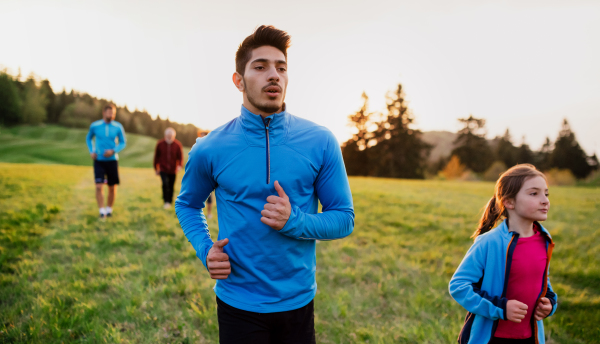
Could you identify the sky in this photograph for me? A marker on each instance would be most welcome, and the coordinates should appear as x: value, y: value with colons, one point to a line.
x: 522, y: 65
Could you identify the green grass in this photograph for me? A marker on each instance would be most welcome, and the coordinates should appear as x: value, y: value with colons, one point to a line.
x: 67, y: 277
x: 58, y: 145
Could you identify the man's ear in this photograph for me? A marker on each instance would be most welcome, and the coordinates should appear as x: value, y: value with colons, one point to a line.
x: 509, y: 203
x: 238, y: 81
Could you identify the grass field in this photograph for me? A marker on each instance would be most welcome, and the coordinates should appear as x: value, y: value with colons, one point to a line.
x: 66, y: 277
x: 59, y: 145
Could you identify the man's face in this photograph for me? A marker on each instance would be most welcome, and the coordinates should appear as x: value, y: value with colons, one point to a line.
x: 265, y: 81
x: 169, y: 136
x: 108, y: 115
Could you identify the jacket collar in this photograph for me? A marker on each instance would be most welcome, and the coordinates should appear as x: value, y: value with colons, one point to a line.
x: 254, y: 127
x: 504, y: 228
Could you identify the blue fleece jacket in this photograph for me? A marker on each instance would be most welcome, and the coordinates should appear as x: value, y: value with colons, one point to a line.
x: 480, y: 282
x: 105, y: 135
x: 271, y: 271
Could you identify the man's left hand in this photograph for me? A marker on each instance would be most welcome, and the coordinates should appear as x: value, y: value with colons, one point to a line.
x: 278, y: 210
x: 108, y: 153
x: 543, y: 309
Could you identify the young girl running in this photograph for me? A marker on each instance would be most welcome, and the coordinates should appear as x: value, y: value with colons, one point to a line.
x: 503, y: 279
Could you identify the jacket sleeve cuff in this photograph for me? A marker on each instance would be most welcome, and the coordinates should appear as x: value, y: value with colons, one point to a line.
x: 503, y: 307
x: 291, y: 226
x: 202, y: 253
x: 554, y: 305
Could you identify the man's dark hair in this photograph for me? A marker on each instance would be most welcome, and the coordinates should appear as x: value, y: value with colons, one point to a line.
x: 109, y: 106
x: 263, y: 35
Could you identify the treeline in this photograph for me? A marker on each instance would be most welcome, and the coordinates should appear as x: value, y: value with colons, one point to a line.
x: 34, y: 102
x: 385, y: 145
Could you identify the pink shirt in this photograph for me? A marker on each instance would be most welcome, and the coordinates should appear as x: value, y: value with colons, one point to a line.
x: 525, y: 283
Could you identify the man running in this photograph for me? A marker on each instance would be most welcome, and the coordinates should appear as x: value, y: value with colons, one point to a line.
x: 104, y: 153
x: 269, y: 170
x: 168, y: 159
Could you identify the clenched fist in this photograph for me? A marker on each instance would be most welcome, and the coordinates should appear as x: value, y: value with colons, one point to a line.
x: 515, y: 310
x: 278, y: 209
x: 543, y: 309
x: 217, y: 261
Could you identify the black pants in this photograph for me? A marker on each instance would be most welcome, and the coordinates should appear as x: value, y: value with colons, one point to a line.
x: 237, y: 326
x: 168, y: 183
x: 497, y: 340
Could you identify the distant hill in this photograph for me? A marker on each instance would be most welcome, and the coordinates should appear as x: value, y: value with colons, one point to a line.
x: 442, y: 142
x: 58, y: 145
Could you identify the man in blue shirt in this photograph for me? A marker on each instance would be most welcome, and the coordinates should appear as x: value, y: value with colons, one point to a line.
x: 104, y: 153
x: 269, y: 170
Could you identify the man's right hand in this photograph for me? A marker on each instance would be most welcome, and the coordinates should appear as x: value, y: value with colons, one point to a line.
x: 94, y: 156
x: 157, y: 172
x: 217, y: 261
x: 515, y: 311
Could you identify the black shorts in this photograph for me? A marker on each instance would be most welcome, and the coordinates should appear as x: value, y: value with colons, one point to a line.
x: 292, y: 327
x: 209, y: 199
x: 106, y: 172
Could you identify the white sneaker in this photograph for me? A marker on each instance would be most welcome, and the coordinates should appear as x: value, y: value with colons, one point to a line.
x: 167, y: 206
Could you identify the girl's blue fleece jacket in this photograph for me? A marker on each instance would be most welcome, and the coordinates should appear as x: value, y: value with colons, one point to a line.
x: 479, y: 284
x: 271, y: 271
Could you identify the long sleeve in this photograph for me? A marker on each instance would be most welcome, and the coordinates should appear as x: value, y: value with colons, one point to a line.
x: 463, y: 286
x: 88, y: 140
x: 332, y: 187
x: 122, y: 141
x: 551, y: 295
x: 196, y: 185
x: 180, y: 156
x: 156, y: 157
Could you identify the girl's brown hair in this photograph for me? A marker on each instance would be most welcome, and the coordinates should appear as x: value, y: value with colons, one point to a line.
x: 507, y: 187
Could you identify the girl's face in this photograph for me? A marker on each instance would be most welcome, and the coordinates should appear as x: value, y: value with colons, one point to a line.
x: 532, y: 201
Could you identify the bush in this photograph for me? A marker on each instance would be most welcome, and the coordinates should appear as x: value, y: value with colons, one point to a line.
x: 560, y: 177
x: 493, y: 173
x: 454, y: 169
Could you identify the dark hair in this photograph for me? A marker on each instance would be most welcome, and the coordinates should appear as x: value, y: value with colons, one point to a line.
x: 109, y: 106
x: 507, y: 187
x: 263, y: 35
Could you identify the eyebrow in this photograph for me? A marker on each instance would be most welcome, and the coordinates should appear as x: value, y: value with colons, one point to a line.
x: 534, y: 188
x: 265, y: 60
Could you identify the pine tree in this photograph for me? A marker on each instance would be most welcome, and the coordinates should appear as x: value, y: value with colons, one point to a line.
x: 568, y: 154
x: 355, y: 150
x: 400, y: 151
x: 472, y: 148
x: 506, y: 151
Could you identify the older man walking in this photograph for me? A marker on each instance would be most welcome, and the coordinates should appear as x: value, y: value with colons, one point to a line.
x: 168, y: 159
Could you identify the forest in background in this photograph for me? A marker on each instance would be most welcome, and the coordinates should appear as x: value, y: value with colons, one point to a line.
x: 385, y: 144
x: 32, y: 101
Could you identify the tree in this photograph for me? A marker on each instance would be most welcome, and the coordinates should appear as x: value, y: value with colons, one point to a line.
x: 472, y: 148
x: 525, y: 154
x: 506, y: 151
x: 10, y: 103
x: 400, y: 150
x: 48, y: 94
x: 34, y: 103
x: 542, y: 158
x: 568, y: 154
x: 355, y: 150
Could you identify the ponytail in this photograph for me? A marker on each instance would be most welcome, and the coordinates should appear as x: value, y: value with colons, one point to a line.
x: 490, y: 217
x: 507, y: 187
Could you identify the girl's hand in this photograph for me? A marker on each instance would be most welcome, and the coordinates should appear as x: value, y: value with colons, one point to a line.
x: 516, y: 310
x: 543, y: 309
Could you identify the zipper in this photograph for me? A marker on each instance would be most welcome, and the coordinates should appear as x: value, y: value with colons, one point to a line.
x: 513, y: 242
x: 106, y: 129
x: 544, y: 285
x: 267, y: 121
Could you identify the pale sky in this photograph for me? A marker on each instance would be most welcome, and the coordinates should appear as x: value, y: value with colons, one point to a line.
x: 520, y: 64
